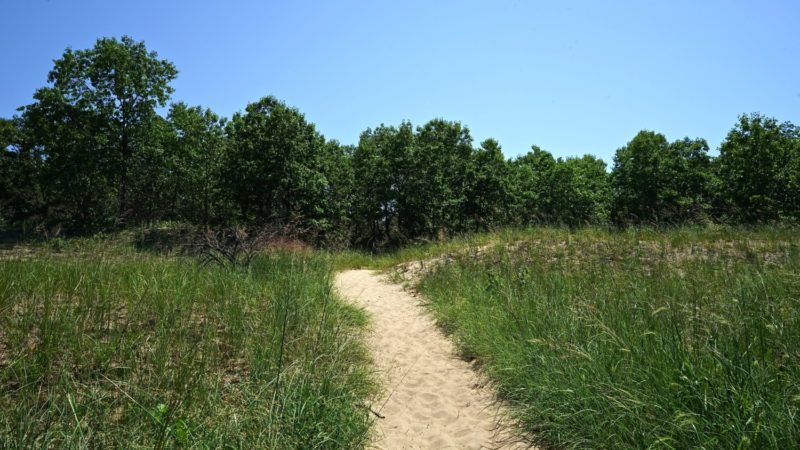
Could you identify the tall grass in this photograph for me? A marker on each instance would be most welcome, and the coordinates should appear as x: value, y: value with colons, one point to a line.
x: 145, y: 351
x: 688, y: 339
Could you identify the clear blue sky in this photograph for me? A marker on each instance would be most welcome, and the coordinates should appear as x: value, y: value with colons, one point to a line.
x: 573, y: 77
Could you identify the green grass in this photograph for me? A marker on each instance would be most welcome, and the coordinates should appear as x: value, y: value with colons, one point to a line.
x: 357, y: 259
x: 102, y: 346
x: 598, y: 339
x: 636, y: 339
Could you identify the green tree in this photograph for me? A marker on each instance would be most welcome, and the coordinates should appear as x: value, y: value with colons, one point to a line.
x: 339, y: 192
x: 20, y: 168
x: 693, y: 179
x: 581, y: 191
x: 488, y: 187
x: 196, y: 147
x: 546, y: 190
x: 279, y: 169
x: 655, y: 182
x: 791, y: 173
x: 438, y: 180
x: 94, y: 121
x: 532, y: 187
x: 77, y: 177
x: 382, y: 164
x: 149, y: 172
x: 757, y: 170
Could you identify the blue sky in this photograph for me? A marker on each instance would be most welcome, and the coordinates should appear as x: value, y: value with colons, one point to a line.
x: 573, y: 77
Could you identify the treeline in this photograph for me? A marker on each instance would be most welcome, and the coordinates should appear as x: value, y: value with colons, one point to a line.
x: 92, y: 152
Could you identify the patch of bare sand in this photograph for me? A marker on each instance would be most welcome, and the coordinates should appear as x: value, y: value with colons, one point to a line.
x: 432, y: 399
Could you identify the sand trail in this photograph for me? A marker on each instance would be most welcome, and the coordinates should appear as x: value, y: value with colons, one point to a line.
x: 431, y: 399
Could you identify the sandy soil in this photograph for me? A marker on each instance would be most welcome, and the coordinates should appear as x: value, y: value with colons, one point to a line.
x: 431, y: 399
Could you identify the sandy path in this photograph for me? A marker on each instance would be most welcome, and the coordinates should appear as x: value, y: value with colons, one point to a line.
x: 432, y: 399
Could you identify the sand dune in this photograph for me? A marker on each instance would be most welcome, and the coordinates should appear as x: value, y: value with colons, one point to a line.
x: 431, y: 398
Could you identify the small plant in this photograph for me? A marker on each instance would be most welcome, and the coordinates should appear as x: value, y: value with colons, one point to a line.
x: 179, y: 430
x: 57, y: 244
x: 235, y: 246
x: 159, y: 413
x: 182, y: 432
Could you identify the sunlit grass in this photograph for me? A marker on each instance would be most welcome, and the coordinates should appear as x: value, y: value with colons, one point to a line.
x: 598, y: 339
x: 686, y: 236
x: 123, y: 349
x: 360, y: 259
x: 636, y: 339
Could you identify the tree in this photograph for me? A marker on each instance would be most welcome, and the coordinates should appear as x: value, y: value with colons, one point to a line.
x: 382, y: 189
x: 105, y: 98
x: 20, y: 167
x: 339, y: 193
x: 655, y: 182
x: 791, y: 173
x: 196, y: 147
x: 77, y: 174
x: 279, y: 169
x: 438, y: 181
x: 532, y: 187
x: 582, y: 192
x: 546, y: 190
x: 692, y: 176
x: 488, y: 187
x: 757, y: 168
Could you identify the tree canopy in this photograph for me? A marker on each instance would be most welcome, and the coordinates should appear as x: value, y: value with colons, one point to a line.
x: 95, y: 123
x: 757, y: 169
x: 656, y: 182
x: 101, y: 147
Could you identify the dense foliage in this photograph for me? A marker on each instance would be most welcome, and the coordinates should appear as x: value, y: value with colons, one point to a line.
x: 92, y: 152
